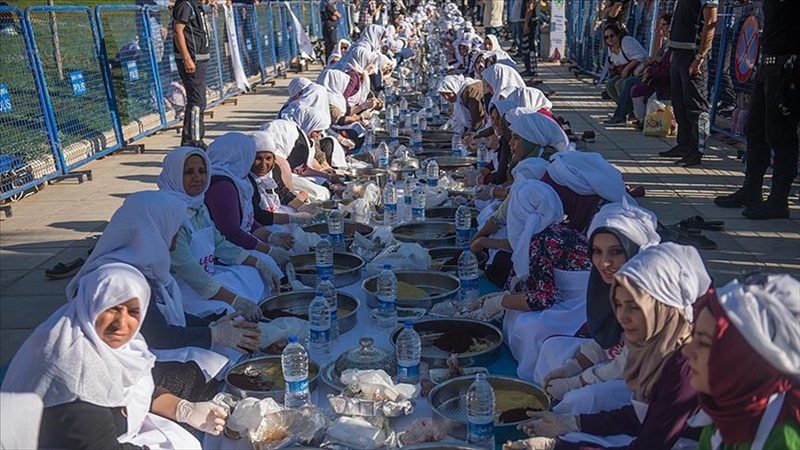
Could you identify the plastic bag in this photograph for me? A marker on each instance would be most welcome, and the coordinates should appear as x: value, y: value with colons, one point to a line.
x: 280, y: 329
x: 402, y: 256
x: 356, y: 433
x: 435, y: 197
x: 659, y: 121
x: 304, y: 241
x: 279, y: 429
x: 423, y: 430
x: 248, y: 413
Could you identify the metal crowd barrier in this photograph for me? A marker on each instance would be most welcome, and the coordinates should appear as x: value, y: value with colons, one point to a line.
x: 159, y: 33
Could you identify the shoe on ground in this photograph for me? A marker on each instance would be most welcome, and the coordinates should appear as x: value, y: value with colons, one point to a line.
x: 605, y: 95
x: 770, y: 209
x: 615, y: 121
x: 639, y: 125
x: 739, y: 199
x: 690, y: 159
x: 676, y: 151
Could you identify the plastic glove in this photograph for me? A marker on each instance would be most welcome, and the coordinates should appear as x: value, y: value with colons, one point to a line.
x: 548, y: 424
x: 239, y: 335
x: 204, y: 416
x: 484, y: 192
x: 558, y: 387
x: 347, y: 143
x: 309, y: 208
x: 570, y: 368
x: 536, y: 443
x: 282, y: 240
x: 301, y: 218
x: 249, y: 310
x: 491, y: 304
x: 471, y: 177
x: 268, y: 275
x: 280, y: 255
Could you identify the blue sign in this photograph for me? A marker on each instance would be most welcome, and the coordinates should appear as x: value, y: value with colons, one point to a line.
x: 266, y: 41
x: 133, y: 71
x: 78, y: 85
x: 249, y: 45
x: 172, y: 66
x: 5, y: 100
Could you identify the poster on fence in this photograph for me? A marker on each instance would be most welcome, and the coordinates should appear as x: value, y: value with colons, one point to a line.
x: 558, y: 30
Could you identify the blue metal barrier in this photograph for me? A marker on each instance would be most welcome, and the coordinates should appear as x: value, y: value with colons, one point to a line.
x: 214, y: 81
x: 27, y: 156
x: 316, y: 19
x: 343, y: 25
x: 282, y: 40
x: 74, y: 85
x: 159, y: 32
x: 267, y: 41
x: 129, y: 66
x: 247, y: 34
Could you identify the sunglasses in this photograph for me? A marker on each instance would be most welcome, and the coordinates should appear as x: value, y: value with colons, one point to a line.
x: 609, y: 36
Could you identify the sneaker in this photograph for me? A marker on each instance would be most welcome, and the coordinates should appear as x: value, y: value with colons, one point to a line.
x: 674, y: 151
x: 770, y: 209
x: 690, y: 159
x: 738, y: 199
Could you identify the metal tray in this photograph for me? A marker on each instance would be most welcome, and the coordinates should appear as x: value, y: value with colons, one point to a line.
x: 436, y: 357
x: 439, y: 286
x: 441, y: 446
x: 437, y: 136
x: 428, y: 234
x: 454, y: 252
x: 448, y: 213
x: 347, y: 268
x: 434, y: 151
x: 350, y: 228
x: 454, y: 162
x: 296, y: 302
x: 454, y: 416
x: 262, y: 363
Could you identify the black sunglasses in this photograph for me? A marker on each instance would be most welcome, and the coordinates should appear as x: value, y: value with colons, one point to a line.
x: 609, y: 36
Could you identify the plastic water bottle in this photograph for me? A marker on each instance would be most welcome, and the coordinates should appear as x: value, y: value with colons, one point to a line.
x: 483, y: 155
x: 432, y: 173
x: 390, y: 203
x: 369, y: 141
x: 387, y: 297
x: 403, y: 107
x: 408, y: 188
x: 463, y: 224
x: 409, y: 347
x: 383, y: 155
x: 396, y: 111
x: 480, y: 413
x: 319, y: 321
x: 435, y: 111
x: 418, y: 199
x: 294, y: 362
x: 423, y: 125
x: 703, y: 131
x: 393, y: 141
x: 416, y: 138
x: 329, y: 294
x: 374, y: 122
x: 468, y: 276
x: 323, y: 254
x: 336, y: 229
x: 457, y: 145
x: 390, y: 115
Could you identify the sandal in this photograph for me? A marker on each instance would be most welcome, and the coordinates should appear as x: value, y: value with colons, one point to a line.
x: 699, y: 223
x: 673, y: 233
x: 62, y: 270
x: 635, y: 192
x: 588, y: 136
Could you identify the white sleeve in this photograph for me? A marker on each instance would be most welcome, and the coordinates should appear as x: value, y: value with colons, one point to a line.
x: 633, y: 49
x: 593, y: 352
x: 611, y: 370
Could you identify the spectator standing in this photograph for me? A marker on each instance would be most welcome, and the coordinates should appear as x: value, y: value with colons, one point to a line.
x: 691, y: 36
x: 530, y: 42
x: 493, y: 16
x: 773, y: 117
x: 330, y: 22
x: 366, y: 13
x: 191, y: 45
x: 516, y: 20
x: 617, y: 11
x: 624, y: 54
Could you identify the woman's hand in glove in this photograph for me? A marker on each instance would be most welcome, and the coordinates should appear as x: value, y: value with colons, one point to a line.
x: 549, y: 424
x: 492, y: 304
x: 558, y: 387
x: 569, y: 369
x: 309, y: 208
x: 280, y: 255
x: 282, y: 240
x: 250, y: 311
x: 536, y: 443
x: 207, y: 417
x: 239, y: 335
x: 268, y: 275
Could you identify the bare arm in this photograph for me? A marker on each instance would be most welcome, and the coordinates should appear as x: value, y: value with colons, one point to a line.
x: 706, y: 38
x: 165, y: 405
x: 180, y: 40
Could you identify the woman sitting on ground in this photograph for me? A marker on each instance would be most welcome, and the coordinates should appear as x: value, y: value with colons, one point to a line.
x: 466, y: 95
x: 655, y: 77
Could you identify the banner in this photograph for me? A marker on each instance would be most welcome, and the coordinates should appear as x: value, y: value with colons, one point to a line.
x: 558, y: 29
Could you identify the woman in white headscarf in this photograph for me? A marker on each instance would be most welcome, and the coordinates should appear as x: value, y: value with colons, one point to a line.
x: 372, y: 36
x: 652, y: 296
x: 207, y: 287
x: 342, y: 114
x: 358, y: 64
x: 466, y: 95
x: 92, y: 369
x: 491, y: 44
x: 500, y: 80
x: 530, y: 98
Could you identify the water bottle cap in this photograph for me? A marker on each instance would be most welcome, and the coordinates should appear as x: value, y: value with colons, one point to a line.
x: 323, y: 236
x: 387, y: 266
x: 292, y: 339
x: 334, y: 207
x: 325, y: 277
x: 318, y: 294
x: 463, y: 203
x: 466, y: 249
x: 408, y: 324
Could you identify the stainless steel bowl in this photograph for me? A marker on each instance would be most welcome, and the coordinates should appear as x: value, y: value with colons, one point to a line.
x: 437, y: 136
x: 442, y: 446
x: 347, y: 268
x: 449, y: 407
x: 272, y: 363
x: 296, y: 302
x: 439, y: 287
x: 432, y: 152
x: 449, y: 213
x: 350, y: 229
x: 427, y: 234
x: 452, y: 254
x: 327, y: 205
x: 428, y: 329
x: 455, y: 162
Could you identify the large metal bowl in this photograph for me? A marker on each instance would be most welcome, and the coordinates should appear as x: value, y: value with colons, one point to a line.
x: 452, y: 254
x: 350, y: 229
x: 427, y: 234
x: 296, y: 302
x: 347, y: 268
x: 263, y: 363
x: 436, y: 357
x: 433, y: 152
x: 448, y: 213
x: 439, y: 286
x: 437, y: 136
x: 441, y: 446
x: 454, y: 162
x: 447, y: 401
x: 326, y: 206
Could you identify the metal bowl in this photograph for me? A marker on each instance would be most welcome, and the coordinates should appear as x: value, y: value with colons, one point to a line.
x: 428, y: 329
x: 442, y: 446
x: 453, y: 253
x: 350, y: 229
x: 454, y: 162
x: 447, y: 401
x: 347, y: 268
x: 427, y: 234
x: 449, y: 213
x: 296, y: 302
x: 366, y: 357
x: 433, y: 152
x: 271, y: 363
x: 326, y: 206
x: 439, y: 286
x: 437, y: 136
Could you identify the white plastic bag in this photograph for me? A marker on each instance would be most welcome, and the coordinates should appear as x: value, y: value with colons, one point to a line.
x: 435, y: 197
x: 304, y: 241
x: 402, y: 256
x: 280, y: 329
x: 654, y: 104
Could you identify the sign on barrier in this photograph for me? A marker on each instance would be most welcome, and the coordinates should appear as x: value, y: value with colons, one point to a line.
x: 746, y: 49
x: 265, y: 33
x: 249, y: 43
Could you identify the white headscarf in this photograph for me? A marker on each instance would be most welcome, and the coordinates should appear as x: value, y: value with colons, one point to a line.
x: 455, y: 83
x: 232, y: 155
x: 358, y: 59
x: 297, y: 85
x: 533, y: 206
x: 170, y: 180
x: 336, y: 82
x: 372, y: 35
x: 140, y: 234
x: 768, y: 317
x: 588, y: 173
x: 636, y: 223
x: 672, y: 274
x: 310, y: 111
x: 282, y: 135
x: 267, y: 200
x: 65, y: 360
x: 529, y: 169
x: 502, y: 79
x: 538, y: 129
x: 531, y: 98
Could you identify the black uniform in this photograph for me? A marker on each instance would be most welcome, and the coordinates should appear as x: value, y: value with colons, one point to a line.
x: 773, y: 115
x: 329, y: 26
x: 190, y: 13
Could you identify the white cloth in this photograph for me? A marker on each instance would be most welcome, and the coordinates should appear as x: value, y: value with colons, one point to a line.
x: 283, y: 133
x: 311, y: 110
x: 533, y: 207
x: 531, y: 98
x: 372, y: 35
x: 232, y: 155
x: 500, y: 77
x: 636, y: 223
x: 768, y: 317
x: 529, y: 169
x: 316, y: 193
x: 335, y: 81
x: 673, y: 274
x: 170, y: 179
x: 233, y: 43
x: 304, y: 44
x: 630, y: 49
x: 20, y: 416
x: 594, y: 398
x: 588, y: 173
x: 297, y: 85
x: 539, y: 129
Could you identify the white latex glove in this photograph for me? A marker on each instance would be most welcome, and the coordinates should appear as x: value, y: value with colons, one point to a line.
x: 484, y: 192
x: 207, y: 417
x: 347, y: 143
x: 282, y: 240
x: 570, y: 368
x: 239, y: 335
x: 536, y: 443
x: 309, y: 208
x: 250, y: 311
x: 492, y: 304
x: 280, y: 255
x: 268, y: 275
x: 558, y: 387
x: 301, y: 218
x: 548, y: 424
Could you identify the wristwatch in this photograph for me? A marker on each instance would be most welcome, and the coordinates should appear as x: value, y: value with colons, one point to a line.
x: 699, y: 56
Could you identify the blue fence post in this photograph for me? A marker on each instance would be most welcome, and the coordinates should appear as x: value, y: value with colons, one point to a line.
x: 267, y: 38
x: 151, y: 39
x: 165, y: 65
x: 112, y: 100
x: 259, y: 48
x: 726, y: 17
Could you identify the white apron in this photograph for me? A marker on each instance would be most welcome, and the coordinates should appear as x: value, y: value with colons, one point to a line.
x: 554, y: 352
x: 525, y: 331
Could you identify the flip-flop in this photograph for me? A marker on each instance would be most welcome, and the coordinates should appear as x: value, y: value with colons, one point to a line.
x: 588, y: 136
x: 635, y: 191
x: 64, y: 270
x: 673, y: 233
x: 699, y: 223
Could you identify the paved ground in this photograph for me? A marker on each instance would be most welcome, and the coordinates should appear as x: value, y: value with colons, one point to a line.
x: 61, y: 223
